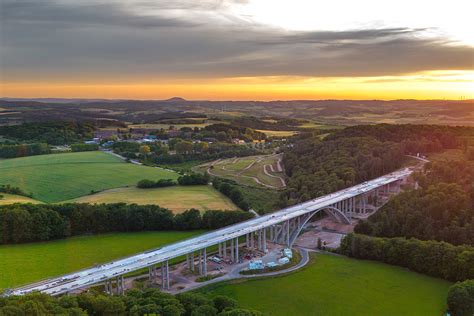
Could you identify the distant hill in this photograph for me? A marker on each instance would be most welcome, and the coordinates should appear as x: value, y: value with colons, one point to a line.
x: 176, y: 99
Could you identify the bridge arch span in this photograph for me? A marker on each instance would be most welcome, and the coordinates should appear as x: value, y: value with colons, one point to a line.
x: 343, y: 217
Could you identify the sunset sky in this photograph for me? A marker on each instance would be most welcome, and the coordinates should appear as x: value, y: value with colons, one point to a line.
x: 237, y: 49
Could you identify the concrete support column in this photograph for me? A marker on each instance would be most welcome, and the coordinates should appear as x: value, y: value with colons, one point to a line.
x: 252, y: 240
x: 265, y: 240
x: 162, y: 270
x: 220, y: 250
x: 106, y: 286
x: 167, y: 275
x: 247, y: 240
x: 259, y: 232
x: 204, y: 263
x: 271, y: 232
x: 237, y: 249
x: 366, y: 198
x: 232, y: 250
x: 288, y: 233
x: 192, y: 261
x: 200, y: 262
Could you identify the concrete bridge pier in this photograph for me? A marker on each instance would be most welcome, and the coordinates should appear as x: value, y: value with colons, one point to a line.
x: 108, y: 287
x: 204, y: 262
x: 165, y: 275
x: 120, y: 285
x: 237, y: 249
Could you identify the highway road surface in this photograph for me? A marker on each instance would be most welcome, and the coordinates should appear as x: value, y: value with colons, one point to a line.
x: 111, y: 270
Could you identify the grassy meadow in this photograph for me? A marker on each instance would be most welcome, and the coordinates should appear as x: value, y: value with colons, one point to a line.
x: 12, y: 198
x: 333, y: 285
x: 59, y: 177
x: 176, y: 198
x: 26, y: 263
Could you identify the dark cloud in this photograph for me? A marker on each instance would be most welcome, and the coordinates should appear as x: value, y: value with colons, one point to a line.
x: 182, y: 39
x: 57, y: 14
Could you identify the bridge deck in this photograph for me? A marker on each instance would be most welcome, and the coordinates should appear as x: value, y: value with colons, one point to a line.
x: 146, y: 259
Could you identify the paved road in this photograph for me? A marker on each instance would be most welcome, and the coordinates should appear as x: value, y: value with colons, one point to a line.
x: 146, y: 259
x: 235, y: 273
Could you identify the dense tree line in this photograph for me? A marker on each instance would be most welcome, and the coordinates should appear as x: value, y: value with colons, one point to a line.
x: 28, y: 222
x: 6, y: 188
x: 53, y: 133
x: 185, y: 150
x: 441, y: 209
x: 226, y: 132
x: 84, y: 147
x: 133, y: 303
x: 355, y: 154
x: 414, y: 138
x: 461, y: 298
x: 434, y: 258
x: 23, y: 150
x: 316, y: 167
x: 148, y: 184
x: 194, y: 179
x: 232, y: 191
x: 215, y: 151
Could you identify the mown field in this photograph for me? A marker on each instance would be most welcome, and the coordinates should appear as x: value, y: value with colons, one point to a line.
x: 248, y: 170
x: 270, y: 133
x: 59, y: 177
x: 177, y: 198
x: 11, y: 198
x: 334, y: 285
x: 26, y: 263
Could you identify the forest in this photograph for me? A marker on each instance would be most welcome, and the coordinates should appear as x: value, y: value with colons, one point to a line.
x: 355, y: 154
x: 441, y: 209
x: 134, y: 303
x: 40, y: 222
x: 23, y: 150
x: 53, y: 133
x: 316, y: 167
x: 434, y: 258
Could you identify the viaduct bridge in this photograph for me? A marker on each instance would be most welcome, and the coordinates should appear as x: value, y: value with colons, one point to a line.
x: 282, y: 227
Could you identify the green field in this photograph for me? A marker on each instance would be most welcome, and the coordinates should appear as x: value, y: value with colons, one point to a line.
x: 177, y: 198
x: 59, y: 177
x: 11, y: 198
x: 333, y: 285
x: 25, y: 263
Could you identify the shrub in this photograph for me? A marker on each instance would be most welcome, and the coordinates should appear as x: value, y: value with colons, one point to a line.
x: 147, y: 184
x: 194, y: 179
x: 461, y: 298
x: 84, y: 147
